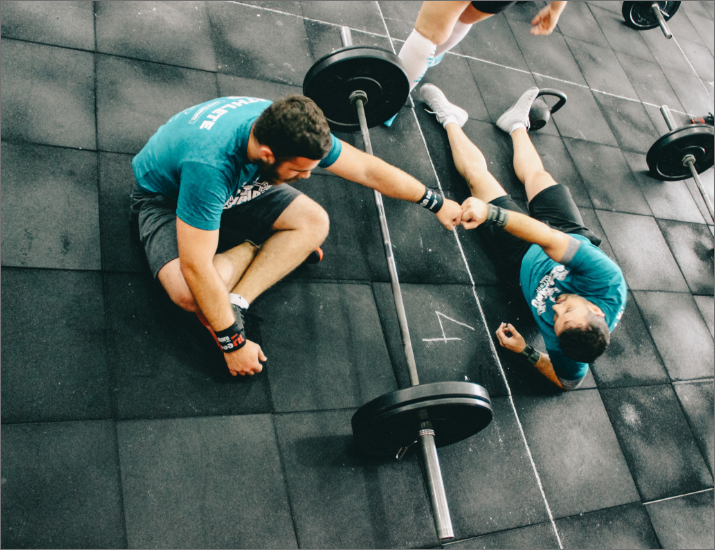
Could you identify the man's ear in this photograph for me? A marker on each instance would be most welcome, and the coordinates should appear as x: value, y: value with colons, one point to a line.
x: 265, y: 154
x: 597, y: 310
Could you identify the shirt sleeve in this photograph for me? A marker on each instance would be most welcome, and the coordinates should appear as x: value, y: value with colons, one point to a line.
x: 565, y: 367
x: 591, y: 263
x: 334, y: 153
x: 202, y: 194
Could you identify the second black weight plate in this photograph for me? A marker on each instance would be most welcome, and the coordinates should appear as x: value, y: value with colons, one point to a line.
x: 665, y: 157
x: 376, y: 71
x: 456, y: 410
x: 639, y: 15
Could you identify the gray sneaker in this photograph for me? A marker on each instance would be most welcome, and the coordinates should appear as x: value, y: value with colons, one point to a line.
x: 446, y: 112
x: 518, y: 114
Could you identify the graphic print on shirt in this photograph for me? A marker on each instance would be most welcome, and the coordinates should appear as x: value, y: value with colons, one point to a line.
x: 547, y: 288
x: 247, y: 192
x: 214, y: 115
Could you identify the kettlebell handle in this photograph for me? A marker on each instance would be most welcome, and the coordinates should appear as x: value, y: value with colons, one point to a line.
x: 555, y: 93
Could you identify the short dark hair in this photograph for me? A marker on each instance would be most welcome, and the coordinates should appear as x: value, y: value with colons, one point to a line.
x: 294, y: 127
x: 585, y: 344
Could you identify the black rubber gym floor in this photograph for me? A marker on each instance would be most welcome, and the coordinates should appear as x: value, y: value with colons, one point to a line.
x: 121, y: 426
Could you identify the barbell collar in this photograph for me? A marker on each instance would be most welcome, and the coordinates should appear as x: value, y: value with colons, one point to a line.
x: 661, y: 20
x: 346, y: 36
x: 358, y: 94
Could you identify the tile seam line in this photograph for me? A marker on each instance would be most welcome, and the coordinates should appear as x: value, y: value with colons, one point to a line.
x: 492, y: 347
x: 453, y: 53
x: 677, y: 496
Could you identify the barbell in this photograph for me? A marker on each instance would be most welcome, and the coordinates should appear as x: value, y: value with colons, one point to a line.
x: 359, y: 87
x: 683, y: 152
x: 649, y: 15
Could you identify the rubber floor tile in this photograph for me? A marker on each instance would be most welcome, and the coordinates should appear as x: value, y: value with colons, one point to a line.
x: 625, y: 526
x: 702, y: 10
x: 607, y: 177
x: 685, y: 522
x: 503, y: 304
x: 631, y: 359
x: 48, y: 95
x: 50, y: 215
x: 64, y: 376
x: 481, y: 498
x: 399, y: 18
x: 365, y: 17
x: 708, y: 182
x: 666, y: 52
x: 68, y: 24
x: 501, y: 87
x: 576, y: 452
x: 695, y: 95
x: 679, y: 333
x: 165, y: 363
x: 697, y: 402
x: 44, y: 504
x: 578, y: 22
x: 601, y: 69
x: 649, y: 81
x: 285, y: 7
x: 620, y: 37
x: 236, y: 86
x: 353, y: 249
x: 682, y: 27
x: 260, y: 44
x: 492, y: 40
x: 454, y: 78
x: 324, y: 38
x: 121, y: 248
x: 534, y: 536
x: 646, y: 260
x: 181, y: 487
x: 590, y: 220
x: 667, y: 199
x: 135, y: 98
x: 163, y: 32
x: 324, y: 345
x: 341, y: 498
x: 547, y: 55
x: 655, y: 438
x: 629, y: 122
x: 700, y: 58
x: 692, y: 246
x: 704, y: 28
x: 581, y: 117
x: 705, y: 305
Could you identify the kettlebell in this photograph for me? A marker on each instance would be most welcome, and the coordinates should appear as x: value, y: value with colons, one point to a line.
x: 540, y: 113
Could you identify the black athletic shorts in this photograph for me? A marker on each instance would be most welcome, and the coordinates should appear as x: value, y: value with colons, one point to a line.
x: 249, y: 221
x: 492, y: 7
x: 555, y: 207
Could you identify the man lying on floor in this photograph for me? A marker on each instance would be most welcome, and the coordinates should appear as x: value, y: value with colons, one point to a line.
x: 575, y: 292
x: 214, y: 178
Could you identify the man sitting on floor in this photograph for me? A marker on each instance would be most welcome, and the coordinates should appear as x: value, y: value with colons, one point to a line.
x: 225, y: 164
x: 575, y: 292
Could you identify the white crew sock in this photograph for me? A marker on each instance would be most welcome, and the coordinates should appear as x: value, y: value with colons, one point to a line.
x: 237, y: 299
x: 516, y: 126
x: 459, y: 31
x: 414, y: 54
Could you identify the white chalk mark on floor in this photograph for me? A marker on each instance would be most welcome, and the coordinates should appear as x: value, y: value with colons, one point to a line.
x: 441, y: 326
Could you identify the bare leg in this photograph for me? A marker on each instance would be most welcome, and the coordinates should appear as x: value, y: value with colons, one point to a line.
x: 528, y: 166
x: 472, y: 165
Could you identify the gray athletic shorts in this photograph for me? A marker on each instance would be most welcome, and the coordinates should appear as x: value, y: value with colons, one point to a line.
x: 249, y: 221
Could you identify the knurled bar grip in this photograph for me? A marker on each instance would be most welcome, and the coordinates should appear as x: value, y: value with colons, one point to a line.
x: 689, y: 162
x: 438, y: 496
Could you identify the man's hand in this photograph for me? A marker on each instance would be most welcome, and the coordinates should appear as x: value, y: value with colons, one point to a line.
x: 545, y: 21
x: 246, y: 360
x: 510, y: 339
x: 474, y: 212
x: 450, y: 214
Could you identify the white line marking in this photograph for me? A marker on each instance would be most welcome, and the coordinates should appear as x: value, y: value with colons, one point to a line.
x: 677, y: 496
x: 444, y: 336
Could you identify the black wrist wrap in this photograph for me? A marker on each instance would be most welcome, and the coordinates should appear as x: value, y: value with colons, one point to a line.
x: 432, y: 200
x: 532, y: 355
x: 232, y: 339
x: 496, y: 215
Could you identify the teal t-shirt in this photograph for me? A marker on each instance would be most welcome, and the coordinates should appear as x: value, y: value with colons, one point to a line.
x: 199, y: 159
x: 590, y: 274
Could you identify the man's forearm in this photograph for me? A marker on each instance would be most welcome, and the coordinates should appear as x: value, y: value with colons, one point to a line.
x: 209, y: 292
x: 555, y: 243
x: 391, y: 181
x: 557, y: 7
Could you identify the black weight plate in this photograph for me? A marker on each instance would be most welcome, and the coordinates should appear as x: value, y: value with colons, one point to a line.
x: 665, y: 157
x: 639, y: 15
x: 376, y: 71
x: 456, y: 410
